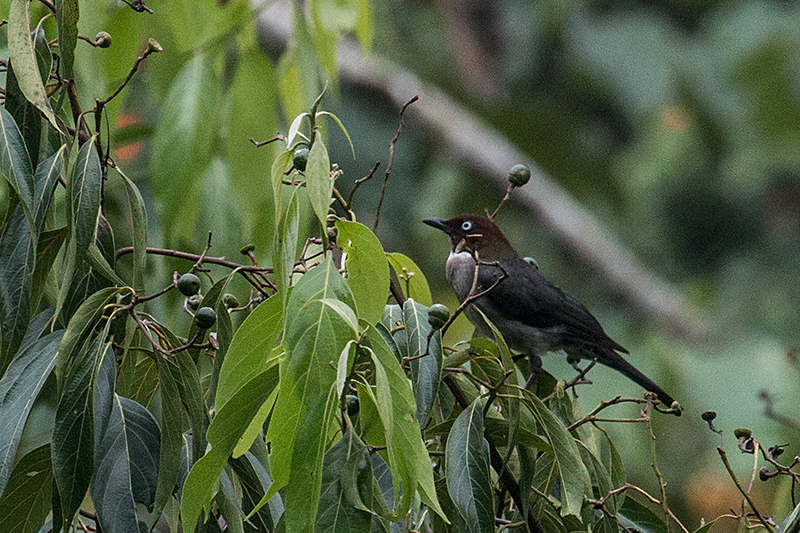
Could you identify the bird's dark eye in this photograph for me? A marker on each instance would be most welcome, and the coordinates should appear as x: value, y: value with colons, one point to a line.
x: 466, y: 225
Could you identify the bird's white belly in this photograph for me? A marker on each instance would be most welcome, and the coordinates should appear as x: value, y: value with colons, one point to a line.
x: 460, y: 272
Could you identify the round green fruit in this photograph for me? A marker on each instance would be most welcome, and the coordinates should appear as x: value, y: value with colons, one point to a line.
x: 519, y: 175
x: 438, y: 315
x: 230, y: 301
x: 300, y: 158
x: 205, y: 317
x: 189, y: 284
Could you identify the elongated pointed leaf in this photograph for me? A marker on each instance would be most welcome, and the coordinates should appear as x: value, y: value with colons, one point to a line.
x: 469, y: 481
x: 223, y: 434
x: 336, y: 513
x: 314, y: 337
x: 28, y: 500
x: 569, y: 467
x: 67, y: 14
x: 15, y: 162
x: 367, y: 269
x: 17, y: 264
x: 18, y: 390
x: 426, y: 370
x: 251, y: 349
x: 285, y: 245
x: 405, y: 449
x: 45, y: 182
x: 318, y: 179
x: 139, y: 222
x: 23, y: 57
x: 73, y: 433
x: 126, y: 453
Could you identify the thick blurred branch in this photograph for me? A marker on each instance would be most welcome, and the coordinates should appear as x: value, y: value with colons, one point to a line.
x: 488, y: 151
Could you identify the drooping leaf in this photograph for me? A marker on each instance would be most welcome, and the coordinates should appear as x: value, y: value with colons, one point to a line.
x: 17, y: 264
x: 568, y: 466
x: 254, y: 480
x: 223, y: 434
x: 126, y: 454
x: 67, y: 15
x: 367, y: 269
x: 19, y: 387
x: 314, y: 337
x: 27, y: 502
x: 15, y: 162
x: 405, y: 449
x: 336, y: 514
x: 285, y: 245
x: 23, y: 56
x: 73, y: 433
x: 469, y: 481
x: 319, y: 183
x: 414, y: 286
x: 45, y: 181
x: 139, y: 222
x: 637, y: 516
x: 426, y: 359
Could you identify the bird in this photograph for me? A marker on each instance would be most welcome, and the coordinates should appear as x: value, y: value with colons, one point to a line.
x: 533, y: 315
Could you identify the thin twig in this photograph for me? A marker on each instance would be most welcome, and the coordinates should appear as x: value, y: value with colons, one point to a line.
x: 391, y: 160
x: 359, y: 182
x: 724, y: 456
x: 279, y: 137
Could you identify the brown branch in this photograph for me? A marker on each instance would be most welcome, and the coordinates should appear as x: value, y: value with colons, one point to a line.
x: 221, y: 261
x: 391, y: 160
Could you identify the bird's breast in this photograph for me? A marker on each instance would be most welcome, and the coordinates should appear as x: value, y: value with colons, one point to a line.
x: 460, y: 272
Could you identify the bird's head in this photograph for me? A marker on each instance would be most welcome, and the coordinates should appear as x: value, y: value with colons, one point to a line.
x: 469, y: 233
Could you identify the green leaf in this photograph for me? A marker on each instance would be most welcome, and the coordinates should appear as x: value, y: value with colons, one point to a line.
x: 316, y: 334
x: 139, y: 222
x: 415, y: 286
x: 45, y: 182
x: 126, y: 454
x: 15, y: 162
x: 281, y: 164
x: 18, y: 390
x: 406, y: 451
x: 426, y: 370
x: 635, y: 515
x: 575, y: 481
x: 603, y: 483
x: 67, y: 15
x: 23, y: 57
x: 25, y: 114
x: 285, y: 246
x: 47, y: 249
x: 469, y: 481
x: 223, y: 434
x: 17, y: 263
x: 319, y: 183
x: 73, y: 433
x: 95, y: 258
x: 365, y: 27
x: 171, y: 424
x: 82, y: 324
x: 341, y: 127
x: 367, y: 269
x: 336, y: 514
x: 790, y: 522
x: 183, y: 144
x: 27, y: 502
x: 254, y: 480
x: 617, y: 472
x: 251, y: 349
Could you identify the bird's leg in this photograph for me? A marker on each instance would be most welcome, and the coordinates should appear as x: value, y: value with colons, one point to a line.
x: 534, y: 367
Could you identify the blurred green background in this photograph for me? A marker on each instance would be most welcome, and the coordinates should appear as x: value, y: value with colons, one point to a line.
x: 675, y: 125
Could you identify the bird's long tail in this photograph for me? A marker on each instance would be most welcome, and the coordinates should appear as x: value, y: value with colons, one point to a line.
x: 614, y: 360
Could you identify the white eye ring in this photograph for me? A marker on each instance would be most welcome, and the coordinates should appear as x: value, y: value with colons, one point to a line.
x: 466, y: 225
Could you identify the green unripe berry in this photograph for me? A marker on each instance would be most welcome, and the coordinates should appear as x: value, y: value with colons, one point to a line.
x: 352, y: 405
x: 103, y: 39
x: 300, y: 158
x: 189, y: 284
x: 742, y: 433
x: 438, y: 315
x: 519, y: 175
x: 230, y: 301
x: 194, y: 301
x: 205, y: 317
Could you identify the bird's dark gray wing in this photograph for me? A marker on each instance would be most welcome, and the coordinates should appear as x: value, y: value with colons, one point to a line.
x: 532, y: 299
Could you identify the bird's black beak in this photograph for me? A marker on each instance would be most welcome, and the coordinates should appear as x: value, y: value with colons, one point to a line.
x: 437, y: 223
